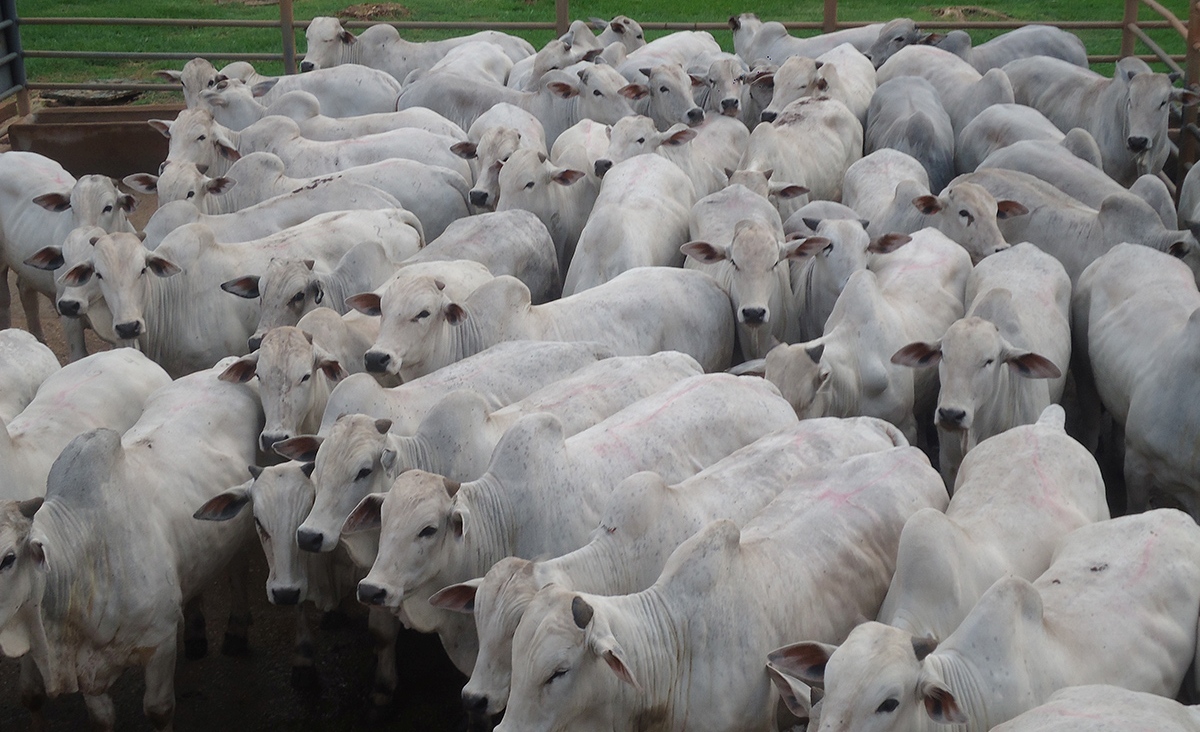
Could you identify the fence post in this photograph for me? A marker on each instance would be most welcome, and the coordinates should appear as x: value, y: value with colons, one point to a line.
x: 1127, y: 38
x: 562, y: 16
x: 829, y: 19
x: 287, y: 26
x: 1187, y: 139
x: 14, y: 70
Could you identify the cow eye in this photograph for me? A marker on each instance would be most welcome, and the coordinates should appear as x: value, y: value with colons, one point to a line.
x: 258, y: 525
x: 190, y: 194
x: 989, y: 362
x: 305, y: 378
x: 298, y: 298
x: 201, y: 138
x: 108, y: 208
x: 363, y: 474
x: 8, y: 561
x: 99, y: 276
x: 641, y: 141
x: 422, y: 314
x: 596, y: 93
x: 965, y: 214
x: 888, y: 705
x: 529, y: 185
x: 427, y: 532
x: 557, y: 674
x: 143, y: 271
x: 663, y: 89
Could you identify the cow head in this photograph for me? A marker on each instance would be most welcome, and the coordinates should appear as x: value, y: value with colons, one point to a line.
x: 967, y: 213
x: 22, y: 563
x: 325, y: 41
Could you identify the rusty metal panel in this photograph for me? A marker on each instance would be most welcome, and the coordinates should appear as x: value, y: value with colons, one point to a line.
x: 115, y: 149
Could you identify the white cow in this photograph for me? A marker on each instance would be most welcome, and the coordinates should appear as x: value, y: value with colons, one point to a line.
x: 476, y: 59
x: 691, y: 646
x: 1006, y: 361
x: 435, y: 532
x: 24, y: 364
x: 722, y: 87
x: 841, y: 73
x: 40, y: 203
x: 495, y: 136
x: 811, y: 143
x: 438, y: 196
x: 753, y: 39
x: 643, y: 521
x: 640, y: 219
x: 964, y: 91
x: 512, y: 243
x: 169, y: 300
x: 999, y: 126
x: 197, y: 138
x: 665, y: 96
x: 1017, y: 497
x: 1030, y: 40
x: 1127, y: 114
x: 381, y: 47
x: 1135, y: 366
x: 346, y: 92
x: 871, y: 183
x: 713, y: 147
x: 561, y: 196
x: 1132, y: 581
x: 1100, y: 706
x: 116, y: 532
x: 906, y: 114
x: 687, y: 48
x: 106, y: 389
x: 234, y: 105
x: 643, y: 311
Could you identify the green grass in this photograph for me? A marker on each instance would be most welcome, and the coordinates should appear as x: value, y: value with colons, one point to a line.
x: 236, y: 40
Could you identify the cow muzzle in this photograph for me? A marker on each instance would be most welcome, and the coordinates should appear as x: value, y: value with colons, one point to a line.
x: 371, y: 594
x: 695, y: 116
x: 376, y: 362
x: 267, y: 440
x: 1137, y: 144
x: 767, y: 116
x: 69, y: 308
x: 730, y: 107
x: 309, y: 540
x: 285, y: 596
x: 307, y: 66
x: 753, y: 316
x: 478, y: 198
x: 952, y: 418
x: 128, y: 331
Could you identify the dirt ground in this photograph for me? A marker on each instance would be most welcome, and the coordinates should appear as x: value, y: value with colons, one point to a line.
x: 254, y: 692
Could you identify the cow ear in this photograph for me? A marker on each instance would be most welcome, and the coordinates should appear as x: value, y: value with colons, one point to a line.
x: 318, y: 293
x: 809, y: 246
x: 127, y: 202
x: 142, y: 182
x: 332, y: 368
x: 226, y: 150
x: 217, y: 186
x: 678, y: 135
x: 786, y: 190
x: 1186, y: 97
x: 241, y: 370
x: 563, y: 89
x: 347, y: 37
x: 888, y: 243
x: 56, y: 202
x: 614, y: 656
x: 1009, y: 209
x: 246, y: 287
x: 162, y: 126
x: 1179, y: 249
x: 1032, y: 365
x: 303, y: 448
x: 455, y: 313
x: 366, y: 515
x: 634, y: 91
x: 567, y: 176
x: 366, y: 303
x: 262, y: 87
x: 821, y: 84
x: 803, y: 661
x: 458, y: 521
x: 927, y: 205
x: 170, y: 74
x: 78, y: 275
x: 224, y: 506
x: 940, y: 704
x: 465, y: 150
x: 795, y: 694
x: 47, y: 258
x: 702, y: 251
x: 918, y: 355
x: 697, y: 80
x: 162, y: 266
x: 458, y: 598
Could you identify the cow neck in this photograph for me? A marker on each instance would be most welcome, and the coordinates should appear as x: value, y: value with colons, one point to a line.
x: 164, y: 298
x: 491, y: 525
x: 595, y: 567
x: 650, y: 632
x: 351, y: 53
x: 220, y: 165
x: 957, y: 673
x: 415, y: 451
x: 466, y: 339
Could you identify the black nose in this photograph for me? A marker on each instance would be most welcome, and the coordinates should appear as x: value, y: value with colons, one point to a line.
x: 285, y: 596
x: 266, y: 441
x: 254, y: 342
x: 68, y: 308
x: 754, y: 316
x: 475, y: 703
x: 767, y: 116
x: 478, y: 198
x: 729, y: 105
x: 695, y: 115
x: 369, y: 594
x: 309, y: 540
x: 128, y: 331
x: 376, y: 362
x: 602, y: 167
x: 306, y: 66
x: 951, y: 416
x: 1138, y: 144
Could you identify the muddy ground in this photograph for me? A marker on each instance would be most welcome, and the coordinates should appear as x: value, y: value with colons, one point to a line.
x: 254, y: 692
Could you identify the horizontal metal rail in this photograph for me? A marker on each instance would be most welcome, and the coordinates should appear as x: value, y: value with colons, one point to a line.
x: 154, y: 56
x: 99, y: 86
x: 11, y: 92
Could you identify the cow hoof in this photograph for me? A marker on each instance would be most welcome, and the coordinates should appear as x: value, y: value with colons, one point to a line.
x: 195, y: 648
x: 235, y: 645
x: 334, y: 620
x: 304, y: 678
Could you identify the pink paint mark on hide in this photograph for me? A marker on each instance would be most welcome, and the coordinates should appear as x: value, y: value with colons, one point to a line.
x: 667, y: 404
x: 839, y: 499
x: 1147, y: 549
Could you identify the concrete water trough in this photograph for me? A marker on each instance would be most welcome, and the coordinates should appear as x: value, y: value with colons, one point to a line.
x: 114, y: 141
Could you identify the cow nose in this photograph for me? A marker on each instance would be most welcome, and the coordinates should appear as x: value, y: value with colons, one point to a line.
x: 369, y: 594
x: 729, y: 106
x: 68, y: 308
x: 285, y: 596
x: 254, y: 342
x: 754, y: 316
x: 951, y: 416
x: 309, y: 540
x: 695, y: 116
x: 478, y: 198
x: 376, y: 361
x: 475, y: 703
x: 267, y: 440
x: 767, y: 116
x: 128, y: 331
x: 306, y: 66
x: 602, y: 167
x: 1138, y: 144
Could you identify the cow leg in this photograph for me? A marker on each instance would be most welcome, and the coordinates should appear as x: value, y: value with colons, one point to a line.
x: 33, y: 689
x: 304, y: 671
x: 101, y: 712
x: 384, y: 629
x: 236, y: 641
x: 5, y: 299
x: 195, y: 633
x: 29, y: 304
x: 73, y: 331
x: 158, y: 703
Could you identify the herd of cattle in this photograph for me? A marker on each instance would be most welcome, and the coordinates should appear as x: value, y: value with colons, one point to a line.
x: 468, y: 312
